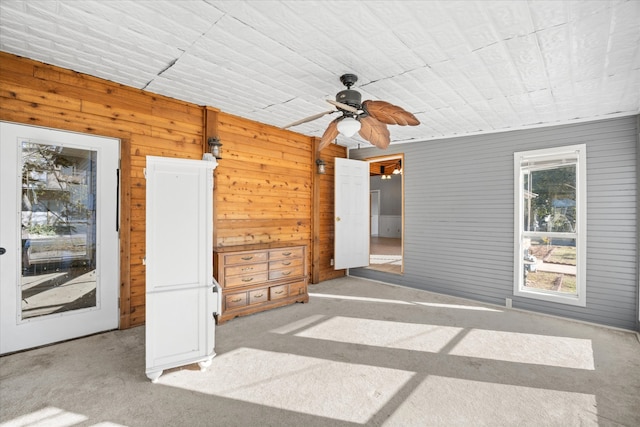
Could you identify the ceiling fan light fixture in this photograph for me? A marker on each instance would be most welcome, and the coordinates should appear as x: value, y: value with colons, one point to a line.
x: 398, y: 169
x: 348, y: 126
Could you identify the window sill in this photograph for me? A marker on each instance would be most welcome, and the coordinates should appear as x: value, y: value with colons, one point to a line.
x: 575, y: 300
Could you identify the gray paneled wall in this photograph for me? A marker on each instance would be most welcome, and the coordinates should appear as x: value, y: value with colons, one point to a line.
x: 459, y: 208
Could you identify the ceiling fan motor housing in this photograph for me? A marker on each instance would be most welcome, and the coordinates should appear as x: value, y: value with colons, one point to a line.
x: 349, y: 97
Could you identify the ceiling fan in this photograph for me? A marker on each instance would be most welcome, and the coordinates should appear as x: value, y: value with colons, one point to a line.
x: 368, y: 118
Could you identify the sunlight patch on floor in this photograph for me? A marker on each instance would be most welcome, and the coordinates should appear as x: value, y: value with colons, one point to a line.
x: 46, y: 417
x: 457, y: 306
x: 363, y: 299
x: 381, y: 333
x: 53, y: 417
x: 439, y: 401
x: 385, y: 259
x: 394, y: 301
x: 519, y: 347
x: 320, y: 387
x: 479, y: 343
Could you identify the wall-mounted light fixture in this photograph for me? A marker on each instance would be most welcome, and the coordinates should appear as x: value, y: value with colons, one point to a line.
x: 321, y: 166
x: 214, y: 147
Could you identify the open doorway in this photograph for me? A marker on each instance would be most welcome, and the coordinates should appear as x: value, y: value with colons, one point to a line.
x: 386, y: 202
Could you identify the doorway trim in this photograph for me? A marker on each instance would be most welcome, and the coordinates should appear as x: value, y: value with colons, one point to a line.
x: 400, y: 157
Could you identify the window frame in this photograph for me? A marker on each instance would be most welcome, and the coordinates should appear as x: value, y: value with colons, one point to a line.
x: 578, y: 151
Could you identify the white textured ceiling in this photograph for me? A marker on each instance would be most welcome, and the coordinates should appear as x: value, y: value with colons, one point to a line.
x: 462, y: 67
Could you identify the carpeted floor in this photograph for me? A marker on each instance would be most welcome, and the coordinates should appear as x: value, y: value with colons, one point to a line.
x: 359, y: 353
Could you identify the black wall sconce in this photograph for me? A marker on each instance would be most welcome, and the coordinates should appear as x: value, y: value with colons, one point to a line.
x: 214, y: 147
x: 321, y: 166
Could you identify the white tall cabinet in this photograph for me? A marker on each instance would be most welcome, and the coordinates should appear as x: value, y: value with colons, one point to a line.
x: 181, y: 294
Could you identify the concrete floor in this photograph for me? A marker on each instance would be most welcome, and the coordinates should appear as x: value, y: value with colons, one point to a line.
x: 359, y: 353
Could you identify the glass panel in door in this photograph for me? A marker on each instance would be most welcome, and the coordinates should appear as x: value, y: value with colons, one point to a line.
x: 58, y: 228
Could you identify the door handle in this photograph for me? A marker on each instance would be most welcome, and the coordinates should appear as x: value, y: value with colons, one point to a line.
x: 337, y: 219
x: 2, y: 251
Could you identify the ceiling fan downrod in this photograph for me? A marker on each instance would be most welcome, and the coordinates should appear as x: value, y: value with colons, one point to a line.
x: 348, y: 80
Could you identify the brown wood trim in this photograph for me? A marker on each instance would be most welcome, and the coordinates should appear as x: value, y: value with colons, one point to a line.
x: 125, y: 233
x: 210, y: 125
x: 315, y: 214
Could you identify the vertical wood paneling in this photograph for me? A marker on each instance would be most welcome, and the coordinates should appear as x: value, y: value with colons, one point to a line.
x: 326, y: 214
x: 263, y: 185
x: 459, y: 217
x: 38, y: 94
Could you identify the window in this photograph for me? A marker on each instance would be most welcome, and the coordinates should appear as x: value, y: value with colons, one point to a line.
x: 550, y: 221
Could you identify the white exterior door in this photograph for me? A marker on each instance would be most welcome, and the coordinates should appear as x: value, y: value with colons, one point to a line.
x: 181, y: 297
x: 59, y: 273
x: 352, y: 214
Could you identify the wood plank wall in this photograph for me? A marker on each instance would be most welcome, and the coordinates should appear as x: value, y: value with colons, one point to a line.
x: 38, y: 94
x: 326, y: 224
x: 264, y: 183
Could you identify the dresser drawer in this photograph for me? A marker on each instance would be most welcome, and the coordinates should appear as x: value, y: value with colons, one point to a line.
x: 285, y: 253
x: 235, y: 300
x: 297, y: 288
x: 286, y: 273
x: 249, y: 269
x: 245, y: 258
x: 277, y: 292
x: 258, y: 296
x: 285, y: 263
x: 245, y: 279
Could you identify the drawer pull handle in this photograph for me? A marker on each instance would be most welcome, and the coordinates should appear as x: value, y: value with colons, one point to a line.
x: 278, y: 292
x: 247, y: 258
x: 286, y: 262
x: 236, y: 300
x: 248, y: 279
x: 286, y: 253
x: 286, y: 273
x: 259, y: 296
x: 247, y: 269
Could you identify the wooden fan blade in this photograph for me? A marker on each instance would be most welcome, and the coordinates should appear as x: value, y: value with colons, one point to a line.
x: 308, y: 119
x: 329, y: 134
x: 342, y: 106
x: 374, y: 131
x: 389, y: 113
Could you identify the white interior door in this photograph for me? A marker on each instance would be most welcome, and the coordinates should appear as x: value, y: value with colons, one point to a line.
x: 351, y: 214
x: 59, y: 233
x: 180, y: 298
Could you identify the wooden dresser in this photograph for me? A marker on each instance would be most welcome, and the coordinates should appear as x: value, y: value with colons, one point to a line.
x: 258, y: 278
